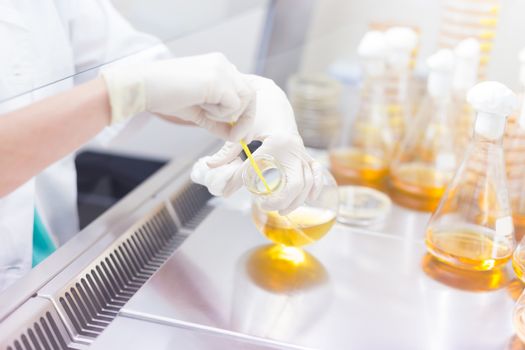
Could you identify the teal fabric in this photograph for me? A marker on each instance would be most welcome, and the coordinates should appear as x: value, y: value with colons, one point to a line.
x: 43, y: 245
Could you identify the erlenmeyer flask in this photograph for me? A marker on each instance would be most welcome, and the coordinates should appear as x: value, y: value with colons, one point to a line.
x: 426, y: 159
x: 518, y: 317
x: 472, y: 226
x: 401, y: 42
x: 514, y: 145
x: 306, y: 224
x: 361, y: 154
x: 467, y: 54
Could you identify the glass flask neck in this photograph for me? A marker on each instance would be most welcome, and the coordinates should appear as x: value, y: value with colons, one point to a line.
x: 482, y: 140
x: 490, y: 127
x: 400, y: 80
x: 270, y: 170
x: 374, y: 90
x: 439, y: 107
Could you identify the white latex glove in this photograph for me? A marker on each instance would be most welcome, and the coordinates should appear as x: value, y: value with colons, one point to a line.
x: 205, y: 90
x: 275, y: 127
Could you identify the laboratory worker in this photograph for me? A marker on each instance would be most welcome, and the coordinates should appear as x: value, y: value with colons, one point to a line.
x: 48, y: 110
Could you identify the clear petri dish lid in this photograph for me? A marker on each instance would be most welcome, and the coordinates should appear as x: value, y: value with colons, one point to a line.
x: 362, y: 206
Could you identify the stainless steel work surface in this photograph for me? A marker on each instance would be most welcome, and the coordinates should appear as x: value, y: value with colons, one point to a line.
x: 353, y: 289
x: 133, y: 334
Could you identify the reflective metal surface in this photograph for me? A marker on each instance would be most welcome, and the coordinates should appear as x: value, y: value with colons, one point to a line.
x: 92, y: 240
x: 353, y: 289
x: 133, y: 334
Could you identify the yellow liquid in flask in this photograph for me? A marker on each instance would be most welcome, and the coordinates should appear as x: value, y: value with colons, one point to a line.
x: 418, y: 186
x: 352, y: 166
x: 468, y: 249
x: 303, y: 226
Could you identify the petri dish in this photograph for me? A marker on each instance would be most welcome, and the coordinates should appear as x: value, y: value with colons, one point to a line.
x: 362, y: 206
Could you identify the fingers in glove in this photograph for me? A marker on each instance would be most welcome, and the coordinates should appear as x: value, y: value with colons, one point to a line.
x: 308, y: 183
x: 218, y: 179
x: 294, y: 183
x: 224, y: 104
x: 318, y: 183
x: 220, y: 129
x: 236, y: 181
x: 228, y: 103
x: 243, y: 128
x: 228, y: 152
x: 199, y: 171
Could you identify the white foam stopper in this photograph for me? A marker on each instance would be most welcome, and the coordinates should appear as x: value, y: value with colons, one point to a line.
x: 401, y: 41
x: 493, y: 102
x: 372, y: 50
x: 441, y: 65
x: 467, y: 54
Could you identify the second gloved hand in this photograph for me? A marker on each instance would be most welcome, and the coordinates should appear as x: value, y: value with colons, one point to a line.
x: 205, y: 90
x: 275, y: 127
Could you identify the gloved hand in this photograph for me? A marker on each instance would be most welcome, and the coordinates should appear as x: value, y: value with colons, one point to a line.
x: 275, y: 126
x: 205, y: 90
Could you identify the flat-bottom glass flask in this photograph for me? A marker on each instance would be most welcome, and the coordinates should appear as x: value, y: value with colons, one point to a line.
x: 361, y: 154
x: 518, y: 317
x: 306, y: 224
x: 472, y: 227
x: 418, y: 186
x: 353, y: 166
x: 514, y: 145
x: 426, y: 159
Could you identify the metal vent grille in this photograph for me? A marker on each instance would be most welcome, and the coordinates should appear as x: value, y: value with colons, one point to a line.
x: 190, y: 205
x: 71, y: 310
x: 46, y: 332
x: 94, y: 299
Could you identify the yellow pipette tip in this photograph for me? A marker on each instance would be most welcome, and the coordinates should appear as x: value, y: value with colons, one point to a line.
x: 254, y: 163
x: 255, y: 166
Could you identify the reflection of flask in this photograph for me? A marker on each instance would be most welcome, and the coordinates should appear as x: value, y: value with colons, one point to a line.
x: 426, y: 159
x: 361, y: 154
x: 473, y: 281
x: 465, y: 76
x: 279, y: 292
x: 306, y: 224
x: 472, y: 227
x: 464, y: 319
x: 281, y: 269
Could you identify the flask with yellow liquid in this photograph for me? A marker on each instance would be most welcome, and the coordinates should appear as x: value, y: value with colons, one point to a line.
x: 514, y: 145
x: 361, y: 154
x: 426, y: 160
x: 304, y: 225
x: 472, y: 227
x: 401, y: 44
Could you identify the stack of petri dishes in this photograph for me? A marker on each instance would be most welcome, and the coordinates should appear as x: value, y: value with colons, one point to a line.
x: 464, y: 19
x: 316, y: 103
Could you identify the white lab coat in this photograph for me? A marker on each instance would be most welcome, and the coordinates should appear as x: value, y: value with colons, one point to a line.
x: 43, y: 44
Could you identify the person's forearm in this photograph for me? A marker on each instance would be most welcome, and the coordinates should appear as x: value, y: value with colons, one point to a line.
x: 36, y: 136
